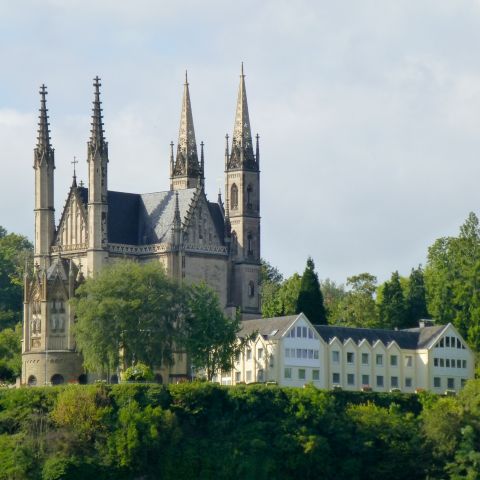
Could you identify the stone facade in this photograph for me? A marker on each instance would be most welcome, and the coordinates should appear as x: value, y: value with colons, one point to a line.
x: 193, y: 238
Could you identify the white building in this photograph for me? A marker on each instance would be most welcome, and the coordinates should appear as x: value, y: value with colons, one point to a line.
x: 292, y: 352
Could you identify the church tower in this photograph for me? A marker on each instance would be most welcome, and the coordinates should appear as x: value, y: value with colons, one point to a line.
x: 242, y: 197
x: 44, y: 165
x: 97, y: 188
x: 185, y: 170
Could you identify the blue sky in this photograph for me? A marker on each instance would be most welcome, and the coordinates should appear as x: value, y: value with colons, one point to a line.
x: 368, y: 112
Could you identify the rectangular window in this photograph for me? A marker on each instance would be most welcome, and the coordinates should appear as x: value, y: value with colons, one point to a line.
x: 299, y: 332
x: 315, y: 354
x: 435, y: 362
x: 287, y: 353
x: 441, y: 343
x: 452, y: 363
x: 450, y: 383
x: 292, y: 332
x: 249, y: 354
x: 459, y: 344
x: 335, y: 356
x: 379, y: 380
x: 442, y: 362
x: 447, y: 362
x: 310, y: 354
x: 379, y: 359
x: 447, y: 341
x: 299, y: 353
x: 459, y: 363
x: 393, y: 360
x: 464, y: 364
x: 271, y: 360
x: 287, y: 373
x: 304, y: 332
x: 260, y: 375
x: 394, y: 382
x: 238, y: 376
x: 408, y: 382
x: 301, y: 374
x: 310, y: 333
x: 350, y: 357
x: 304, y: 353
x: 351, y: 379
x: 335, y: 378
x: 365, y: 380
x: 408, y: 361
x: 260, y: 353
x: 463, y: 381
x: 315, y: 375
x: 364, y: 358
x: 249, y: 376
x: 437, y: 382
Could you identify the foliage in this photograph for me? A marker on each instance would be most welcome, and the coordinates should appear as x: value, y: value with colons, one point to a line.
x: 310, y: 298
x: 358, y: 308
x: 270, y: 282
x: 281, y: 299
x: 15, y: 253
x: 10, y: 353
x: 140, y: 372
x: 333, y: 296
x: 452, y: 280
x: 208, y: 335
x: 128, y: 308
x: 415, y: 298
x: 392, y: 308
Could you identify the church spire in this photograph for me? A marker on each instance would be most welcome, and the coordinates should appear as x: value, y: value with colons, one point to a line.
x: 97, y: 138
x: 43, y: 150
x: 242, y: 149
x: 187, y: 166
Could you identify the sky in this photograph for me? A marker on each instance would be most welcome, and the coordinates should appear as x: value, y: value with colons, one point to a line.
x: 368, y: 113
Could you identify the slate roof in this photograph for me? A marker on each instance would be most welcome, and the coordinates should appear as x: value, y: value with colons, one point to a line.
x: 409, y: 339
x: 142, y: 219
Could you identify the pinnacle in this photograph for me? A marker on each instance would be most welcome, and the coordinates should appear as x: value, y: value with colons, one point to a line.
x: 97, y: 134
x: 43, y: 139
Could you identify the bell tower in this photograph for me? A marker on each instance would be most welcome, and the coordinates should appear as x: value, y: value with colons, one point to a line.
x: 242, y: 197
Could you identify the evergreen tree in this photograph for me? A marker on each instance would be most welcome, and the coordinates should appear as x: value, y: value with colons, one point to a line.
x: 416, y: 303
x: 310, y: 298
x: 393, y: 313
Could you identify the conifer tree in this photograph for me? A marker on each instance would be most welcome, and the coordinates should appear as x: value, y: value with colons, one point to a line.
x: 393, y: 313
x: 310, y: 298
x: 415, y: 298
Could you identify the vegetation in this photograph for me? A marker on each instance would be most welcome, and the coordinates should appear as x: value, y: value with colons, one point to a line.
x: 205, y: 431
x: 310, y: 298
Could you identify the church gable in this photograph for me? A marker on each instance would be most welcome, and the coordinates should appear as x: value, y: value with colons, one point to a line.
x: 203, y: 223
x: 72, y: 230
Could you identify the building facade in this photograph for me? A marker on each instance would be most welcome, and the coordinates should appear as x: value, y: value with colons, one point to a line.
x: 193, y: 238
x: 292, y: 352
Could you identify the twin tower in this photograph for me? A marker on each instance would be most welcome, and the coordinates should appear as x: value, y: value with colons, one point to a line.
x: 194, y: 238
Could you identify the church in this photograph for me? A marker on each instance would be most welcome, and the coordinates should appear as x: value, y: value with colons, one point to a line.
x: 193, y: 238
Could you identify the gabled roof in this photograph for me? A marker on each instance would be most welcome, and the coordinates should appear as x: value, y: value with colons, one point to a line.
x: 267, y: 327
x: 406, y: 339
x: 142, y: 219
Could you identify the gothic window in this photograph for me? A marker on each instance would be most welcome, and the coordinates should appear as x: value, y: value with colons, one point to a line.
x: 32, y: 380
x: 234, y: 197
x: 250, y: 244
x: 251, y: 289
x: 57, y: 379
x: 249, y: 197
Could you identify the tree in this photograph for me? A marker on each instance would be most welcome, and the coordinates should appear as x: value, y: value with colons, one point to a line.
x: 127, y: 313
x: 416, y: 303
x: 310, y: 298
x: 15, y: 252
x: 392, y: 306
x: 333, y: 295
x: 358, y: 308
x: 270, y: 282
x: 452, y: 280
x: 10, y: 353
x: 209, y: 336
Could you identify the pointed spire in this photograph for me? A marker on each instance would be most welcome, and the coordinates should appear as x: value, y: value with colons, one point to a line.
x: 177, y: 218
x: 74, y: 163
x: 97, y: 138
x: 43, y: 150
x: 242, y: 148
x: 257, y: 149
x: 187, y: 157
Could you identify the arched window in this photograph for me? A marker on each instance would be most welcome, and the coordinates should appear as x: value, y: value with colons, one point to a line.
x: 249, y: 197
x: 32, y: 381
x: 57, y: 379
x: 82, y: 379
x: 234, y: 197
x: 251, y: 289
x: 250, y: 244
